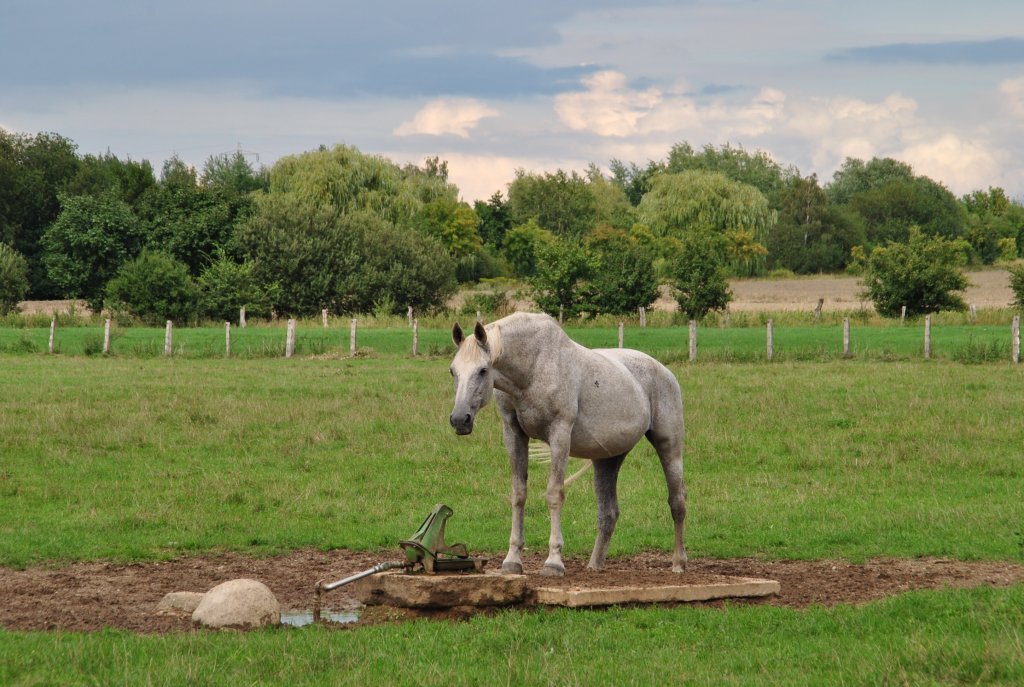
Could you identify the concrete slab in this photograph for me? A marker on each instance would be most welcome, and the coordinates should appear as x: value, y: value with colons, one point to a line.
x: 421, y: 590
x: 737, y: 587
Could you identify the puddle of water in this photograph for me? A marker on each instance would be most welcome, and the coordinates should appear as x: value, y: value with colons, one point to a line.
x: 303, y: 618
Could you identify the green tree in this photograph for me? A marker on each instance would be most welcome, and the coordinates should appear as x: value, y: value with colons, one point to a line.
x: 562, y: 268
x: 154, y: 287
x: 451, y: 222
x: 347, y: 263
x: 856, y: 176
x: 611, y: 206
x: 635, y: 181
x: 13, y: 279
x: 698, y: 275
x: 226, y: 286
x: 622, y: 277
x: 993, y: 222
x: 521, y: 244
x: 756, y: 169
x: 559, y: 202
x: 495, y: 220
x: 232, y: 175
x: 923, y: 274
x: 87, y: 244
x: 1017, y: 286
x: 187, y: 220
x: 107, y: 174
x: 812, y: 235
x: 34, y: 170
x: 891, y: 199
x: 696, y: 201
x: 343, y: 180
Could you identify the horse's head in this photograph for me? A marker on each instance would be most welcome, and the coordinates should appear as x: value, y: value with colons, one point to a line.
x: 471, y: 372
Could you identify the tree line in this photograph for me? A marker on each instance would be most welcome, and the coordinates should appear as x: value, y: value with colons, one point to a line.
x: 340, y: 229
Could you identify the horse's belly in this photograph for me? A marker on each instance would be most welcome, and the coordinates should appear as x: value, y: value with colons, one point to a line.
x: 613, y: 432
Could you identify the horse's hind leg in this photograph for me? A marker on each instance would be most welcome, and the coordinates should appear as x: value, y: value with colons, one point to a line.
x: 606, y: 477
x: 669, y: 445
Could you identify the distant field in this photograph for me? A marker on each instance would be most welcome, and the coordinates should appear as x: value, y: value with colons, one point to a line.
x: 989, y: 289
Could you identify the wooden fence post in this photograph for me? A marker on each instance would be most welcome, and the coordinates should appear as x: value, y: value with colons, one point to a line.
x: 903, y: 314
x: 106, y: 337
x: 643, y: 316
x: 478, y: 317
x: 846, y: 337
x: 1015, y: 345
x: 168, y: 338
x: 974, y: 313
x: 227, y: 339
x: 927, y: 337
x: 53, y: 329
x: 408, y: 314
x: 817, y: 310
x: 693, y: 341
x: 289, y: 339
x: 621, y: 333
x: 323, y: 314
x: 771, y: 339
x: 352, y: 337
x: 415, y: 337
x: 241, y: 317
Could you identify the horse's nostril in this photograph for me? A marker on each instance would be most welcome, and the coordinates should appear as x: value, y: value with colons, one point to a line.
x: 469, y: 419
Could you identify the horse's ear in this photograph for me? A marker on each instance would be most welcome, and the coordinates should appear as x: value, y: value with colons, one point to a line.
x: 457, y: 336
x: 480, y: 333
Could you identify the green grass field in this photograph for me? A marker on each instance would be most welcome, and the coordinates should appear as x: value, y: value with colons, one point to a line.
x: 140, y: 457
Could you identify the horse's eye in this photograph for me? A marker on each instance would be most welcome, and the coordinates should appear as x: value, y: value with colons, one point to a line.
x: 451, y: 372
x: 483, y: 371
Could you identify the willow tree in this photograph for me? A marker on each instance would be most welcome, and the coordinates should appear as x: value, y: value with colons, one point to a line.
x: 680, y: 204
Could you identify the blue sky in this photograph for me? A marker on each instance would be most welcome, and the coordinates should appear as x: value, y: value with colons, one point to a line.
x: 537, y: 85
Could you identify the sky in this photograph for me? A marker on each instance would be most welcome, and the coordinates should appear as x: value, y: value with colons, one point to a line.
x: 537, y: 85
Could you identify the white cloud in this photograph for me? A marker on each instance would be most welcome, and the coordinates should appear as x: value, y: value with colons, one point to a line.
x: 455, y: 116
x: 1013, y: 91
x: 478, y: 176
x: 608, y: 107
x: 962, y: 164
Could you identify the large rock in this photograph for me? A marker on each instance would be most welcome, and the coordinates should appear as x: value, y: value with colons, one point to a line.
x: 421, y: 590
x: 238, y: 604
x: 176, y: 603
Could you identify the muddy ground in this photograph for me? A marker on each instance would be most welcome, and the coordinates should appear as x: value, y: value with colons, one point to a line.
x: 92, y: 596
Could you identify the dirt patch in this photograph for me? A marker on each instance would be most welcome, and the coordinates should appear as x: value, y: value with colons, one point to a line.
x: 92, y: 596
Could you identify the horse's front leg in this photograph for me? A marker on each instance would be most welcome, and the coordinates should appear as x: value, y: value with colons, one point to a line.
x: 559, y: 442
x: 517, y: 445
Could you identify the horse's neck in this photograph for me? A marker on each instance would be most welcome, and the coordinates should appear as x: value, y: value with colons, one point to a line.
x: 522, y: 348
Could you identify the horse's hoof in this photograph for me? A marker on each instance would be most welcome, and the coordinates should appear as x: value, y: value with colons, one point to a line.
x: 551, y: 570
x: 512, y: 568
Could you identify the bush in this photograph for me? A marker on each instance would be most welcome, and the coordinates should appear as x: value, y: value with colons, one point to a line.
x: 346, y: 263
x: 13, y: 279
x: 923, y: 274
x: 226, y: 286
x: 698, y: 275
x: 1017, y: 285
x: 561, y: 268
x: 623, y: 277
x: 154, y: 287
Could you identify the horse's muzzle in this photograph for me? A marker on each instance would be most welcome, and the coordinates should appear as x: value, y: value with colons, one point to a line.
x: 463, y: 424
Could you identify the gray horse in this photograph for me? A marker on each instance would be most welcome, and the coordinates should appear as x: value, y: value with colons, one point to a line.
x: 592, y: 404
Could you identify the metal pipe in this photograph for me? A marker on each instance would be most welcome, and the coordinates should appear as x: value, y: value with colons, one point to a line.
x: 322, y: 586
